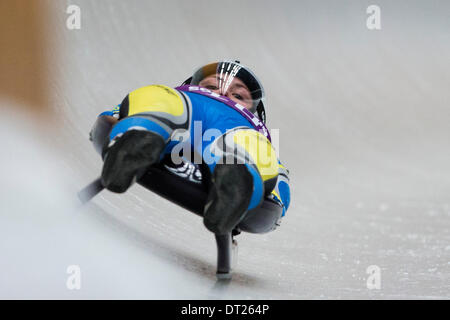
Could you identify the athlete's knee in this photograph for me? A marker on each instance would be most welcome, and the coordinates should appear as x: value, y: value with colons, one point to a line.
x: 252, y: 148
x: 260, y: 153
x: 156, y: 108
x: 158, y: 100
x: 249, y: 147
x: 139, y: 122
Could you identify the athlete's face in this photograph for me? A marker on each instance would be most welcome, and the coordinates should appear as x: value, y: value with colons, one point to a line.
x: 237, y: 90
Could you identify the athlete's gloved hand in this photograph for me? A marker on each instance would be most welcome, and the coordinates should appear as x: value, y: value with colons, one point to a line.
x: 99, y: 134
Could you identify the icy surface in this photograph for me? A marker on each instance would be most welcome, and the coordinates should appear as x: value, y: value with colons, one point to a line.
x: 364, y: 129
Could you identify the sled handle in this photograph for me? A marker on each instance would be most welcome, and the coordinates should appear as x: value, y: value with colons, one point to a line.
x: 90, y: 191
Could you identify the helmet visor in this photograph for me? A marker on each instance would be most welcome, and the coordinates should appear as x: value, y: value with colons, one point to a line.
x: 233, y: 80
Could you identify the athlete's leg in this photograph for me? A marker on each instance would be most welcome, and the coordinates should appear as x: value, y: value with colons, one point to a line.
x: 244, y: 169
x: 149, y: 116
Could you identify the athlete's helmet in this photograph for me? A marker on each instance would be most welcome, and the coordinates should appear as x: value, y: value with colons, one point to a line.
x: 227, y: 71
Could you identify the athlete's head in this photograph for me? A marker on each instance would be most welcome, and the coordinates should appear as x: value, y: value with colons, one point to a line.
x: 236, y: 90
x: 233, y: 80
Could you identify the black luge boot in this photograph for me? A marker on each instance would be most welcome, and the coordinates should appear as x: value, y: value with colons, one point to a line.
x: 129, y: 157
x: 228, y: 198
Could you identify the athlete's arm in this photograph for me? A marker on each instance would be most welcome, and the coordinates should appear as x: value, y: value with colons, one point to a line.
x: 102, y: 126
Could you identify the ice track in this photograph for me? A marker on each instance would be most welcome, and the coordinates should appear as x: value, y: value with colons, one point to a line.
x: 363, y: 119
